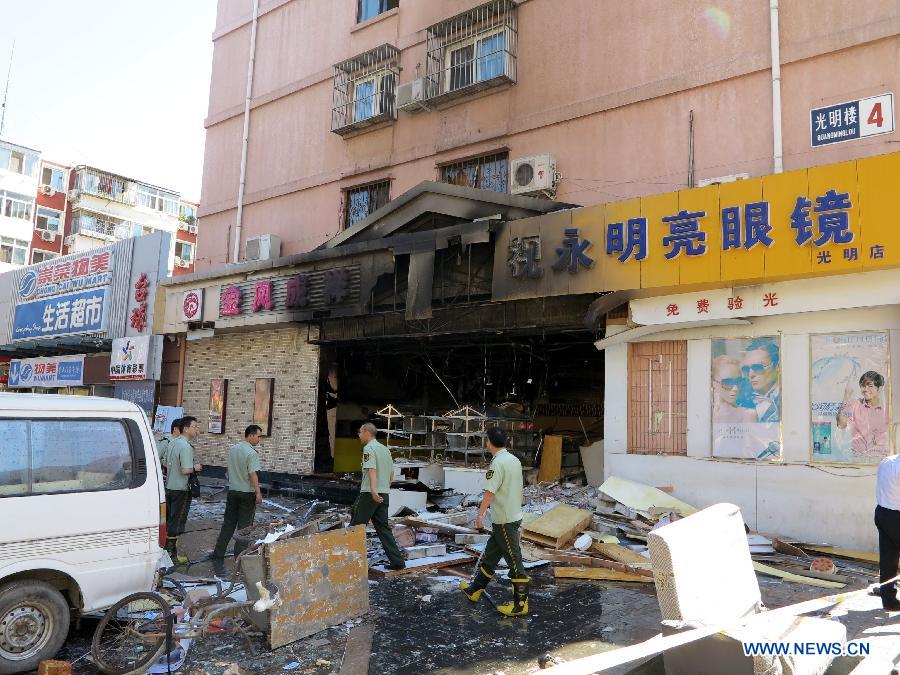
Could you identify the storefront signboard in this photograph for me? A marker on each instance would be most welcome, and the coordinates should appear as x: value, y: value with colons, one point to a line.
x: 746, y: 398
x: 850, y: 397
x: 50, y: 372
x: 141, y: 393
x: 61, y: 315
x: 192, y: 305
x: 130, y: 358
x: 304, y: 291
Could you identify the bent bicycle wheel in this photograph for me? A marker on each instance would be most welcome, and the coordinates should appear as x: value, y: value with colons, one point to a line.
x: 132, y: 634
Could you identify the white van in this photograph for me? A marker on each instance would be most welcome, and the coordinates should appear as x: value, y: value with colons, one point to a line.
x: 82, y: 516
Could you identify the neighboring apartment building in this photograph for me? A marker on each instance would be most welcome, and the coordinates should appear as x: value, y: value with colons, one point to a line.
x: 50, y: 212
x: 18, y: 188
x: 610, y: 101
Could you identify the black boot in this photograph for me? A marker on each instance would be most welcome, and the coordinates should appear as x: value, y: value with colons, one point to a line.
x: 519, y: 605
x: 474, y: 589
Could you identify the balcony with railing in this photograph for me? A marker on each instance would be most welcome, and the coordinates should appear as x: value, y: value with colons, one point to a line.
x: 90, y: 181
x: 101, y: 226
x: 364, y: 90
x: 471, y: 52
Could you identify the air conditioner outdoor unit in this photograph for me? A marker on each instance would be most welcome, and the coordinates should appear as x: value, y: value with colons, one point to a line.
x: 192, y: 229
x: 411, y: 96
x: 718, y: 180
x: 180, y: 262
x: 534, y: 176
x: 74, y: 195
x: 46, y: 190
x: 264, y: 247
x: 48, y: 236
x: 70, y: 240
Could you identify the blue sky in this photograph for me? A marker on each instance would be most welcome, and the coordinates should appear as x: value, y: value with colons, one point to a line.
x: 120, y: 84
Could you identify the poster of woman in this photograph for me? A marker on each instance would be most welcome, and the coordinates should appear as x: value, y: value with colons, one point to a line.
x: 746, y: 398
x: 850, y: 397
x: 218, y: 394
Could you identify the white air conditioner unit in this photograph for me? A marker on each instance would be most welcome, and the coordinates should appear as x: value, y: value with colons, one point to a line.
x: 534, y: 176
x: 731, y: 178
x: 74, y: 195
x: 48, y: 236
x: 411, y: 96
x: 46, y: 190
x: 192, y: 229
x: 180, y: 262
x: 69, y: 241
x: 264, y: 247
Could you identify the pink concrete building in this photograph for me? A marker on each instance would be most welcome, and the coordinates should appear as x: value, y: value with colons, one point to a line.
x: 353, y: 102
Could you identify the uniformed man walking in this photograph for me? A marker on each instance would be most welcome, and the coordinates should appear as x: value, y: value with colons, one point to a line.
x: 503, y: 495
x: 180, y: 461
x: 372, y: 503
x: 243, y: 494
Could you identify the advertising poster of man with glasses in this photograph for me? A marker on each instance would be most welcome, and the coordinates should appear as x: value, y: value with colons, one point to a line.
x: 746, y: 401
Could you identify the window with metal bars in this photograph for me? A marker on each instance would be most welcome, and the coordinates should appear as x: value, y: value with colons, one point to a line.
x: 490, y: 172
x: 657, y: 403
x: 362, y: 201
x: 363, y: 92
x: 472, y: 51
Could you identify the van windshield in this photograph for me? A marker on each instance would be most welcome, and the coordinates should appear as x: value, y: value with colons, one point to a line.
x: 49, y: 456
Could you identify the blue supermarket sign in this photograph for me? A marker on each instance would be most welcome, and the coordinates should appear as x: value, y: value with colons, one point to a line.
x: 852, y: 120
x: 61, y: 315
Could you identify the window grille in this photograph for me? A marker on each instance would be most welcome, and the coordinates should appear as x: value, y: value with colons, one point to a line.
x: 471, y: 52
x: 490, y: 172
x: 361, y: 202
x: 364, y: 90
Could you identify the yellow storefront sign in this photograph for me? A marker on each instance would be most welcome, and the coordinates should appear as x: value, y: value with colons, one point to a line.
x: 824, y: 220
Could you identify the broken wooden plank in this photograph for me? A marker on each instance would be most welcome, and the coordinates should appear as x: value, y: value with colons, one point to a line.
x: 598, y: 573
x: 619, y: 553
x: 358, y: 650
x: 803, y: 572
x: 796, y: 578
x: 784, y: 547
x: 551, y: 458
x: 424, y: 564
x: 558, y: 527
x: 591, y: 561
x: 844, y: 553
x: 642, y: 497
x: 445, y: 528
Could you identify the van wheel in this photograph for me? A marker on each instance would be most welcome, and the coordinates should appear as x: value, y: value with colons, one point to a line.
x: 34, y: 623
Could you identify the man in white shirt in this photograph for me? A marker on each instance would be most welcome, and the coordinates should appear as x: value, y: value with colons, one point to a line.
x: 887, y: 520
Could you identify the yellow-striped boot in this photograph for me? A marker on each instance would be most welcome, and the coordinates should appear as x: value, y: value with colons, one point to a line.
x: 519, y: 605
x: 474, y: 589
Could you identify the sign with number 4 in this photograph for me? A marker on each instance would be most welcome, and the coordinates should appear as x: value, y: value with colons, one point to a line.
x: 876, y: 115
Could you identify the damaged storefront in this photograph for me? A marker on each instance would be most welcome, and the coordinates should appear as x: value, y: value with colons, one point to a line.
x: 397, y: 321
x: 81, y: 324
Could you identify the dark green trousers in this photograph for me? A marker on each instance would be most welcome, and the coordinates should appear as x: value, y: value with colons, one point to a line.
x: 504, y: 543
x: 240, y: 510
x: 364, y: 510
x: 178, y: 504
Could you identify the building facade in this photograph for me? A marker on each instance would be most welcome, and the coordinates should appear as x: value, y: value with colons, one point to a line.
x: 609, y: 101
x: 19, y: 177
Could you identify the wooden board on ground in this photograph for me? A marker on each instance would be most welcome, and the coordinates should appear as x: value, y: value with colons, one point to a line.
x: 591, y: 561
x: 598, y: 573
x: 551, y: 458
x: 619, y: 553
x: 358, y: 650
x: 558, y: 527
x: 322, y: 581
x: 843, y: 553
x: 424, y: 564
x: 796, y: 578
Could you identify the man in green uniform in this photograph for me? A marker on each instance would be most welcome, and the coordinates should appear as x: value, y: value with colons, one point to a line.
x: 372, y: 503
x: 503, y: 495
x: 243, y: 494
x: 165, y: 443
x: 180, y: 461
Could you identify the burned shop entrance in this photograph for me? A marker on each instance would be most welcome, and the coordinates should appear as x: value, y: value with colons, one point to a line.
x: 433, y: 392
